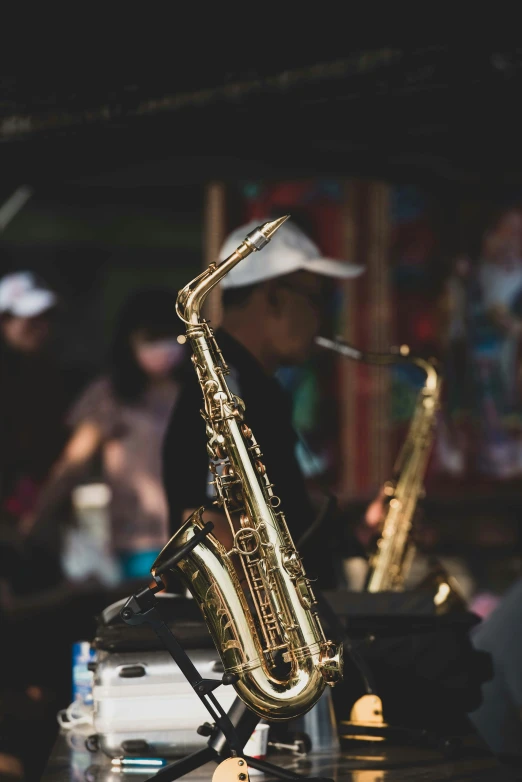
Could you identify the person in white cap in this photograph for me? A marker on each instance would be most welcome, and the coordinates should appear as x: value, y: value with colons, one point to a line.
x: 34, y: 393
x: 290, y: 273
x: 272, y: 304
x: 33, y: 403
x: 25, y: 305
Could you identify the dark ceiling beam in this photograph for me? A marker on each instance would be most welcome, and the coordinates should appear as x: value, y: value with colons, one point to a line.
x: 432, y: 113
x: 127, y: 103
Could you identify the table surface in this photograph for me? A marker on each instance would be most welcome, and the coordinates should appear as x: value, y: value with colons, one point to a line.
x: 374, y: 762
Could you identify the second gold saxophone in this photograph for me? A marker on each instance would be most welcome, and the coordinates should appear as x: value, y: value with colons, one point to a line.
x: 269, y: 634
x: 391, y: 563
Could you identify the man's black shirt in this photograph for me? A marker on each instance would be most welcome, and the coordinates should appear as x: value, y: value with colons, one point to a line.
x: 269, y: 414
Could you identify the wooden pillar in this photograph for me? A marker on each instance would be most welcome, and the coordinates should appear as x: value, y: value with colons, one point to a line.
x: 213, y: 237
x: 380, y: 337
x: 348, y: 369
x: 364, y: 448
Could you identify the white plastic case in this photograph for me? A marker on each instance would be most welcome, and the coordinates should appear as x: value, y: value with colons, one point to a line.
x: 142, y: 702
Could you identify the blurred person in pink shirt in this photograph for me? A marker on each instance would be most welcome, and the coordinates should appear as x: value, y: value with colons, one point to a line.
x: 121, y: 418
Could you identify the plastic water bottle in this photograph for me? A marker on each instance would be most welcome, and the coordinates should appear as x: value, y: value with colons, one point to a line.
x: 78, y: 716
x: 82, y: 677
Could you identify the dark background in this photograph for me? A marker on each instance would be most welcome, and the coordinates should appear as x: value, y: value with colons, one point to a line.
x: 441, y: 113
x: 119, y: 128
x: 118, y: 136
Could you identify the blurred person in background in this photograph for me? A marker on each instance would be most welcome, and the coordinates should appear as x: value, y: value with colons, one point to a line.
x: 499, y: 718
x: 481, y: 432
x: 483, y: 349
x: 496, y: 342
x: 34, y: 395
x: 495, y: 338
x: 121, y: 418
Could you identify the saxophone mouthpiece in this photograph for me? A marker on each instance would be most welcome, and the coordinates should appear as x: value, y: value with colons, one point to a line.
x: 269, y: 229
x: 260, y: 236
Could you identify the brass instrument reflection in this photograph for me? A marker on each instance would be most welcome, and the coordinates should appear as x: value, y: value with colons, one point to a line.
x: 392, y: 561
x: 269, y: 637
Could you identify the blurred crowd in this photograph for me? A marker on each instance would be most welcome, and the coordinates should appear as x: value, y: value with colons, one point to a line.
x: 483, y: 371
x: 56, y: 437
x: 82, y: 504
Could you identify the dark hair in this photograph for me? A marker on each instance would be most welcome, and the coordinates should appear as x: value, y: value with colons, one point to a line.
x: 153, y: 312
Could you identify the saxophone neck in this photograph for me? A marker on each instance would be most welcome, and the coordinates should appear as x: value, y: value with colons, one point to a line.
x: 395, y: 356
x: 192, y: 297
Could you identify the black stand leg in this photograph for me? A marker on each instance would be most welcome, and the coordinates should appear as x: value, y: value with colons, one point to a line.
x: 230, y: 732
x: 185, y: 765
x: 280, y: 773
x: 244, y: 722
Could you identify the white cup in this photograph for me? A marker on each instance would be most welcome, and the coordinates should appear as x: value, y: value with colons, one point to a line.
x: 257, y: 744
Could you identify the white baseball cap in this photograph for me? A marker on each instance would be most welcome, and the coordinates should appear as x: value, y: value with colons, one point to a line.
x: 288, y: 251
x: 24, y: 295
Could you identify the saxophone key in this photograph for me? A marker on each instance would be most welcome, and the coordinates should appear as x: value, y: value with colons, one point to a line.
x: 389, y: 489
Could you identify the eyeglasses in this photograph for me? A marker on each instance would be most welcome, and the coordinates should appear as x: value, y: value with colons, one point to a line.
x: 315, y: 298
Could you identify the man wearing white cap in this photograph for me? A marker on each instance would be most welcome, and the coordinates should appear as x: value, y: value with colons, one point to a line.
x: 25, y: 303
x: 33, y: 393
x: 284, y: 286
x: 272, y: 304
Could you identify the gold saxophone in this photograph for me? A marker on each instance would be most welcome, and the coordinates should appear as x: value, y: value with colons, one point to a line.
x: 392, y: 560
x: 268, y: 635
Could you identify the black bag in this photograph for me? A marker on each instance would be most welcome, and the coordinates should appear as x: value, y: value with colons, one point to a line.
x: 423, y: 666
